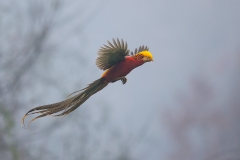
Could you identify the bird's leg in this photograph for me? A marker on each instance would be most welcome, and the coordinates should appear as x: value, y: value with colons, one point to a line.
x: 123, y: 79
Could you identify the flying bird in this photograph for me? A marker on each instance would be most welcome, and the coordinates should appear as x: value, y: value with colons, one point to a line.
x: 116, y: 61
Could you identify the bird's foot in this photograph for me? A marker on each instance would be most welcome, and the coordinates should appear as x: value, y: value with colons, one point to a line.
x: 123, y: 79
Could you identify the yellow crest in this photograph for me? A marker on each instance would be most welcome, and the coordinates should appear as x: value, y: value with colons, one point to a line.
x: 147, y: 54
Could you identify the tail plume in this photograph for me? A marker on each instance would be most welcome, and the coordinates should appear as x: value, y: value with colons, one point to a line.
x: 67, y: 106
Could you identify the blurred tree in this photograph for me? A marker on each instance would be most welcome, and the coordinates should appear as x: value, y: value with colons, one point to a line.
x: 29, y: 32
x: 204, y: 123
x: 24, y: 29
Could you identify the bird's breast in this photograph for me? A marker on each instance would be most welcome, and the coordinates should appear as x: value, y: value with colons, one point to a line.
x: 121, y: 69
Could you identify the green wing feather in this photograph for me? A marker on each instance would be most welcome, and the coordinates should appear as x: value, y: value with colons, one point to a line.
x: 111, y: 54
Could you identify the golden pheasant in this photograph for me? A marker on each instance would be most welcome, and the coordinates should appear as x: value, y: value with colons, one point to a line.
x: 116, y: 60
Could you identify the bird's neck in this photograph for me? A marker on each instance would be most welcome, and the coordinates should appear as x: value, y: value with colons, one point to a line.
x: 137, y: 57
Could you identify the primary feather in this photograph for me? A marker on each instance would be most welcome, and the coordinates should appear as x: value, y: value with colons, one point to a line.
x: 111, y: 54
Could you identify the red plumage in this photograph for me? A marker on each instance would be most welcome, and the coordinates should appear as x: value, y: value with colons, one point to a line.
x: 121, y: 69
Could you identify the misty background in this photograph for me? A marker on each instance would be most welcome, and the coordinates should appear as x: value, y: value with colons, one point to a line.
x: 183, y: 106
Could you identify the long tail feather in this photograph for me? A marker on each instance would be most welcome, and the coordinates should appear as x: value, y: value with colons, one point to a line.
x: 67, y: 106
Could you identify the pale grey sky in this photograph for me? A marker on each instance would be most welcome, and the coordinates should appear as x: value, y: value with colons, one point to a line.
x: 188, y: 39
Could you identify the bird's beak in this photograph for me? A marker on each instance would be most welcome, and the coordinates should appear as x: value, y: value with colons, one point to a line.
x: 152, y: 59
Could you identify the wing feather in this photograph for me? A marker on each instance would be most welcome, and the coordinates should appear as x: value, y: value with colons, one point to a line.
x: 140, y: 49
x: 111, y: 54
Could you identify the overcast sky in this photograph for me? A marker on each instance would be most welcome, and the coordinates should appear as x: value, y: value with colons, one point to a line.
x: 188, y: 39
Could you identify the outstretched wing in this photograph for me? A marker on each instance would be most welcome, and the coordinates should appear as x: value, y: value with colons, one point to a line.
x: 111, y: 54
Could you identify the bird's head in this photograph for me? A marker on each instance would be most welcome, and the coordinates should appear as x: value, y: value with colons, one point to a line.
x: 146, y: 56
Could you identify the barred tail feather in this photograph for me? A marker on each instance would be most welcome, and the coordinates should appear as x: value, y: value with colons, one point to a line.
x: 67, y: 106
